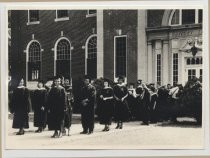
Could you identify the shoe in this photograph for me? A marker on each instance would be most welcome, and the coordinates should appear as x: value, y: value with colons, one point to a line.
x: 83, y: 132
x: 107, y: 129
x: 37, y: 131
x: 90, y: 132
x: 145, y: 123
x: 54, y: 135
x: 20, y: 133
x: 118, y: 126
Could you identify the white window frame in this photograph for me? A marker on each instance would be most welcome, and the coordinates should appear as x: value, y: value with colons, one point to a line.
x: 27, y: 57
x: 55, y: 54
x: 86, y: 51
x: 90, y: 15
x: 180, y: 17
x: 32, y: 23
x: 60, y: 19
x: 115, y: 78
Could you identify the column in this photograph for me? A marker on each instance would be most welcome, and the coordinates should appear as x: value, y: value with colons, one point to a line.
x: 165, y: 75
x: 149, y: 61
x: 141, y: 47
x: 100, y: 44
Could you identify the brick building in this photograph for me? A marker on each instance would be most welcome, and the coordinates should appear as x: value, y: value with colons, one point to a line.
x: 152, y: 45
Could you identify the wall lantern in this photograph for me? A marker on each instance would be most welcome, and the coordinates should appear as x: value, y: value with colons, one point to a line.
x: 192, y: 46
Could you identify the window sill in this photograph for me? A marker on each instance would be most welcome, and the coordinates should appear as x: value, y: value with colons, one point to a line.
x: 62, y: 19
x: 90, y: 15
x: 33, y: 23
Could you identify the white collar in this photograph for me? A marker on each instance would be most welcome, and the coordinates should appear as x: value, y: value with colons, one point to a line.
x: 20, y: 87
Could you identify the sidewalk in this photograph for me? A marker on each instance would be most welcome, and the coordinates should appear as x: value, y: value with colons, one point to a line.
x: 132, y: 136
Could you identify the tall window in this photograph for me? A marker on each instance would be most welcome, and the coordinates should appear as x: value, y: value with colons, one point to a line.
x: 34, y: 61
x: 92, y: 57
x: 62, y: 13
x: 159, y: 69
x: 120, y: 56
x: 185, y: 16
x: 33, y: 15
x: 63, y: 58
x: 175, y: 68
x: 191, y: 74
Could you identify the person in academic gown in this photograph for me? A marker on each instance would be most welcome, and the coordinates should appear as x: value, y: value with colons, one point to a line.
x: 39, y: 101
x: 121, y: 104
x: 132, y: 101
x: 56, y: 106
x: 153, y: 104
x: 143, y: 103
x: 106, y: 106
x: 88, y: 97
x: 69, y: 107
x: 20, y: 107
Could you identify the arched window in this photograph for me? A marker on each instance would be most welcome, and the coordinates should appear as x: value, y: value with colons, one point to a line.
x: 197, y: 61
x: 91, y: 56
x: 192, y: 61
x: 63, y: 56
x: 186, y: 16
x: 188, y: 61
x: 34, y: 61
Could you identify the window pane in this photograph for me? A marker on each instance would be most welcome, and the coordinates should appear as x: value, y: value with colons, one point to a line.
x: 92, y: 57
x: 188, y: 16
x: 33, y: 15
x: 91, y: 11
x: 200, y: 16
x: 175, y: 18
x: 62, y: 13
x: 120, y: 48
x: 159, y: 69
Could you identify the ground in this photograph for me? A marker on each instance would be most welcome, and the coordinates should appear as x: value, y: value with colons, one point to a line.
x: 183, y: 135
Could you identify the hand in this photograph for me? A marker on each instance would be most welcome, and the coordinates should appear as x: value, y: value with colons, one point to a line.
x: 101, y: 96
x: 104, y: 99
x: 42, y: 108
x: 122, y: 99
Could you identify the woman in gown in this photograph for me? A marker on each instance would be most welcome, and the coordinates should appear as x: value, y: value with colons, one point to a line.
x: 121, y: 105
x: 106, y: 106
x: 21, y: 104
x: 39, y: 97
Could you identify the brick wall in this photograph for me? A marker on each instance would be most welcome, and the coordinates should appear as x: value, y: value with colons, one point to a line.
x: 126, y: 20
x: 77, y: 29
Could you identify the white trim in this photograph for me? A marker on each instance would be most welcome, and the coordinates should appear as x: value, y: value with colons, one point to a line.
x: 180, y: 17
x: 31, y: 23
x: 88, y: 15
x: 60, y: 19
x: 55, y: 53
x: 86, y: 50
x: 115, y: 78
x: 27, y: 56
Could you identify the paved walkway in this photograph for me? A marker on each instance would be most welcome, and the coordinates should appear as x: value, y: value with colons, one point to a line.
x: 185, y: 135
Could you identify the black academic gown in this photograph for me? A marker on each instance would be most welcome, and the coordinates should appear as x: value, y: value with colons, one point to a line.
x: 69, y: 108
x: 20, y: 106
x: 39, y: 101
x: 121, y: 107
x: 106, y: 107
x: 143, y: 103
x: 56, y: 106
x: 88, y: 108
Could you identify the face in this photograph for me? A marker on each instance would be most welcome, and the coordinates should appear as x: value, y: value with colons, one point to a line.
x: 57, y: 82
x: 21, y: 82
x: 168, y: 86
x: 131, y: 86
x: 120, y: 81
x: 86, y: 81
x: 106, y: 84
x: 66, y: 82
x: 40, y: 85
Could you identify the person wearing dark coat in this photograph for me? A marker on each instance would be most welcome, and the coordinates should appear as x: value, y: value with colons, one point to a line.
x: 40, y: 113
x: 56, y: 106
x: 132, y: 101
x: 20, y: 107
x: 121, y: 104
x: 143, y: 102
x: 153, y: 104
x: 88, y: 97
x: 106, y: 106
x: 69, y: 108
